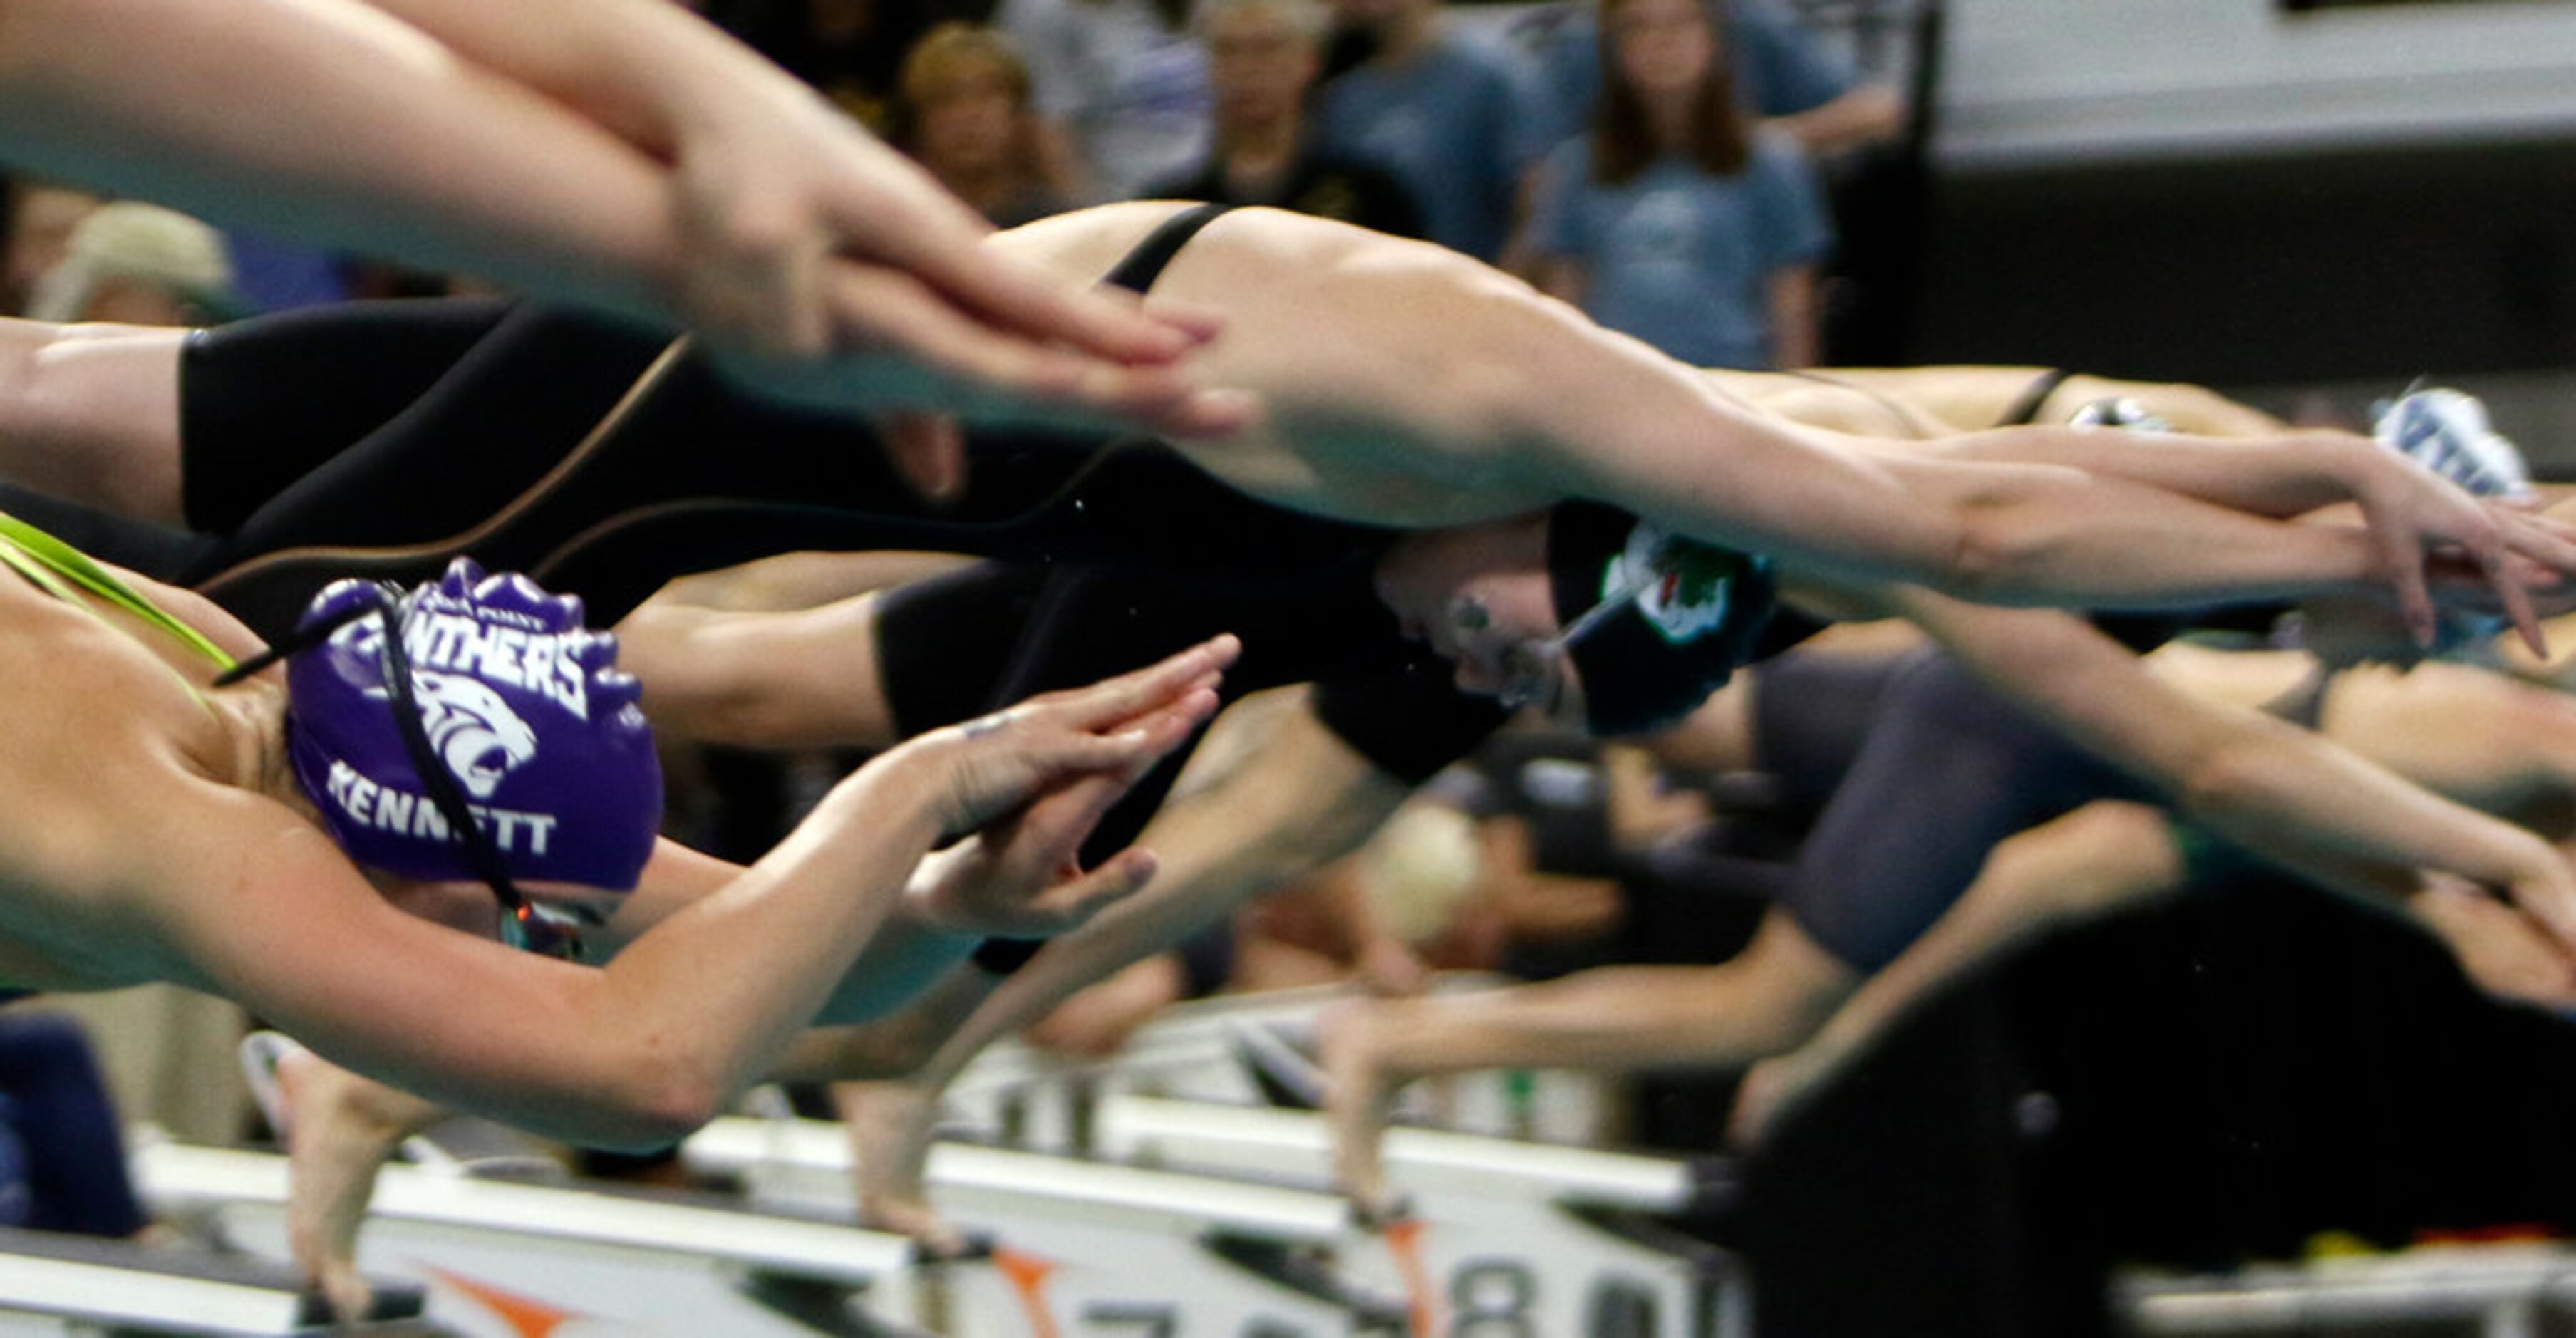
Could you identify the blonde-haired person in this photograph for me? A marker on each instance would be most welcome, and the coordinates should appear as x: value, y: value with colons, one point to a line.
x: 965, y: 112
x: 133, y: 263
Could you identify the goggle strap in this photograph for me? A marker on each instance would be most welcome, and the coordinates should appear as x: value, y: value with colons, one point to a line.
x: 301, y: 639
x: 435, y: 778
x: 524, y: 924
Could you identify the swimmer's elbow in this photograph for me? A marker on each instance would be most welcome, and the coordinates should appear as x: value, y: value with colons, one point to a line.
x: 2228, y: 784
x: 658, y: 1108
x: 643, y: 1132
x: 1977, y: 552
x: 1999, y: 547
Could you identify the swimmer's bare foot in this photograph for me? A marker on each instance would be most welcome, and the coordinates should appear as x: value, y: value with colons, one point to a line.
x: 1358, y: 1101
x: 890, y: 1127
x: 339, y: 1129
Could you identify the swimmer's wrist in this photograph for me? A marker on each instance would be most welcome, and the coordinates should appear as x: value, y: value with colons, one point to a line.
x: 889, y: 798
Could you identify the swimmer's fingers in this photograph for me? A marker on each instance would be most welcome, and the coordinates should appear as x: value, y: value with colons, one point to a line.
x: 992, y: 765
x: 2547, y: 894
x: 2543, y: 539
x: 1067, y: 904
x: 977, y: 370
x: 2402, y: 559
x: 1021, y: 876
x: 2494, y: 549
x: 2522, y: 512
x: 1140, y: 695
x: 906, y: 221
x: 2518, y: 607
x: 2507, y: 949
x: 2459, y: 583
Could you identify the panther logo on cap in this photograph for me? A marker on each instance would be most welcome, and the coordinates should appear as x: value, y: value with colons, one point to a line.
x: 475, y: 732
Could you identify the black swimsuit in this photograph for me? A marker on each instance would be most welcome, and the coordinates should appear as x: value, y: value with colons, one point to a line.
x: 464, y: 412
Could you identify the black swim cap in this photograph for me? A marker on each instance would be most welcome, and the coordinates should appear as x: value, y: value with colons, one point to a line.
x: 1691, y: 614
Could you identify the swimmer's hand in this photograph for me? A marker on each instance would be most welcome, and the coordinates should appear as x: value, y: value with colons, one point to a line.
x: 2505, y: 949
x: 2415, y: 517
x: 2459, y: 584
x: 800, y: 238
x: 1021, y: 876
x: 1025, y: 786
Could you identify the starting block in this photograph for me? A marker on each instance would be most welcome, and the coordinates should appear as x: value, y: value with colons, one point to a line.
x: 495, y: 1256
x: 1083, y: 1247
x: 1501, y: 1237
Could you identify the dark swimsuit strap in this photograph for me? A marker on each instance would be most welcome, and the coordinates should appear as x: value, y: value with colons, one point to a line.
x: 2025, y: 410
x: 1143, y: 264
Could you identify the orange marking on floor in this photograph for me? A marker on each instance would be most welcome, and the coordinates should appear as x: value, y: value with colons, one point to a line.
x: 1404, y: 1241
x: 1028, y: 1273
x: 526, y: 1316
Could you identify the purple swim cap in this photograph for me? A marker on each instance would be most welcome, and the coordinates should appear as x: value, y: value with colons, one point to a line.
x: 522, y: 705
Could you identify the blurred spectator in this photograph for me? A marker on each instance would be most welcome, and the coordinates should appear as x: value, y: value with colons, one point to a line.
x: 1670, y: 219
x: 138, y: 264
x: 1263, y: 56
x: 850, y: 51
x: 62, y: 1148
x: 966, y: 115
x: 1454, y: 119
x: 41, y: 217
x: 1124, y: 81
x: 1782, y: 73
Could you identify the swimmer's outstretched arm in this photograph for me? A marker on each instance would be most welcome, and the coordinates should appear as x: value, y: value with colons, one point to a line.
x: 2280, y: 474
x: 804, y: 234
x: 2283, y: 792
x: 694, y: 1009
x: 341, y: 124
x: 2029, y: 533
x: 1388, y: 364
x: 615, y: 152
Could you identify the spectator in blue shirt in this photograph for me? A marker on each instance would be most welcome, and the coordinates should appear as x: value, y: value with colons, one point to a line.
x: 1783, y: 74
x: 1672, y: 220
x: 1453, y: 119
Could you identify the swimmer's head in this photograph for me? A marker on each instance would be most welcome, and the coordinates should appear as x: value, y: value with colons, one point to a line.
x: 493, y: 702
x: 1584, y: 611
